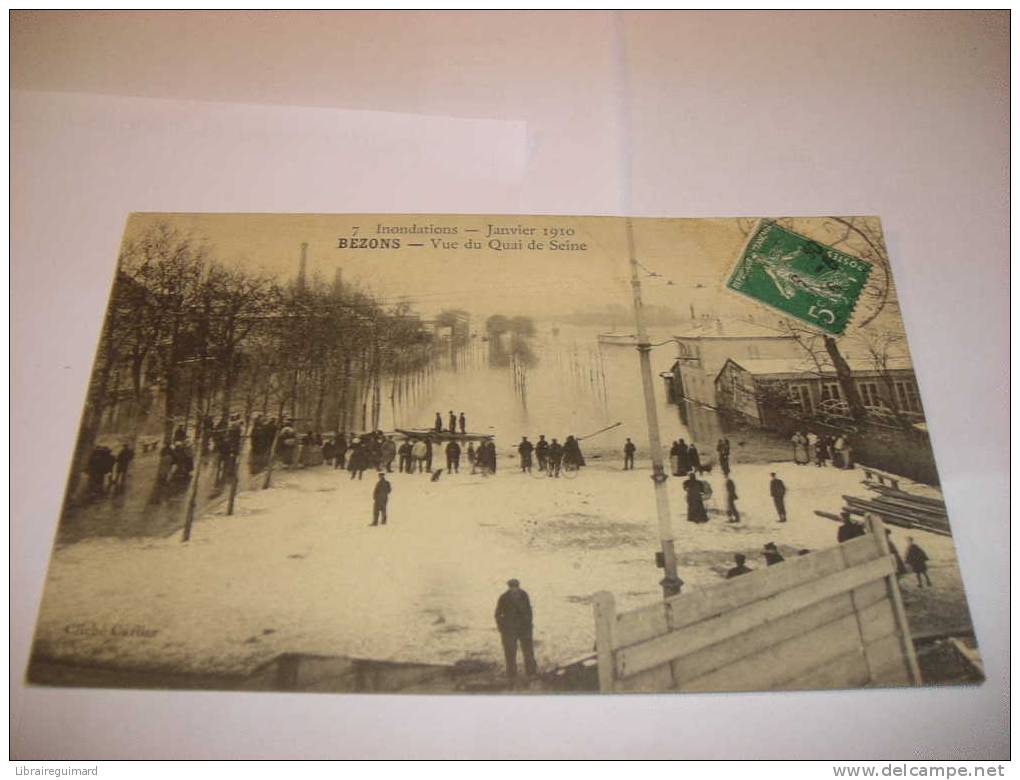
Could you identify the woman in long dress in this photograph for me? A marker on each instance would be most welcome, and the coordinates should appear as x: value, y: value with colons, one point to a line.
x: 683, y: 465
x: 800, y: 448
x: 695, y: 500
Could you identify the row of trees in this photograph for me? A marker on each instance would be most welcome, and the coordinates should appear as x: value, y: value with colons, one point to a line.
x: 188, y: 337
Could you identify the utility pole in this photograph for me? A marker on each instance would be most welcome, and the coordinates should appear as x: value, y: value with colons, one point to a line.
x: 671, y: 582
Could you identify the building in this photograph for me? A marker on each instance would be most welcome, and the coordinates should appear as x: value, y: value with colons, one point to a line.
x: 769, y: 391
x: 705, y: 346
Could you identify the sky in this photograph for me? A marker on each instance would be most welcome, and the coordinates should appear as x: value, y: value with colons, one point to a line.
x: 696, y: 255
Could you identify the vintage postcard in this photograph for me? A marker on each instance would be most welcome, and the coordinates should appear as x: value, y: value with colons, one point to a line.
x: 458, y: 454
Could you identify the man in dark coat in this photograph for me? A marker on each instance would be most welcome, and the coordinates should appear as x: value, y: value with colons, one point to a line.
x: 694, y: 459
x: 740, y: 568
x: 542, y: 452
x: 772, y: 554
x: 428, y: 454
x: 683, y: 463
x: 572, y: 453
x: 380, y: 497
x: 917, y: 560
x: 439, y: 423
x: 777, y: 489
x: 100, y: 463
x: 463, y: 423
x: 555, y: 458
x: 731, y: 501
x: 404, y: 457
x: 524, y: 449
x: 452, y: 457
x: 453, y: 422
x: 695, y: 500
x: 628, y: 455
x: 514, y: 621
x: 120, y: 468
x: 723, y: 448
x: 849, y: 529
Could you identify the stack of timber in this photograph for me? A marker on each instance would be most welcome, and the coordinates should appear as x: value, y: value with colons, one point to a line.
x: 896, y: 506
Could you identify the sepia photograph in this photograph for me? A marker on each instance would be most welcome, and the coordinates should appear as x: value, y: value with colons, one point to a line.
x: 457, y: 454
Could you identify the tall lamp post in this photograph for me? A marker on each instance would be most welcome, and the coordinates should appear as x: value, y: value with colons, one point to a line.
x: 671, y: 582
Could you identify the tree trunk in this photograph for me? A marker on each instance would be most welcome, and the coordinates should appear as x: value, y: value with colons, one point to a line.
x: 845, y: 378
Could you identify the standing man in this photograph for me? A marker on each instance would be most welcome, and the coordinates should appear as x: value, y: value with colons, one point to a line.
x: 387, y: 453
x: 731, y: 501
x: 452, y: 457
x: 525, y: 449
x: 542, y: 452
x: 453, y: 422
x: 463, y: 423
x: 628, y: 455
x: 380, y: 497
x: 428, y: 454
x: 555, y: 458
x: 439, y: 423
x: 120, y: 468
x: 723, y: 448
x: 917, y: 559
x: 778, y: 490
x: 418, y: 452
x: 514, y: 621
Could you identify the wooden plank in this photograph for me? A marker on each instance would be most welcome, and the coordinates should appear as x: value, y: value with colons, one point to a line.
x: 846, y: 671
x: 664, y: 649
x: 604, y: 608
x: 888, y: 665
x: 781, y: 663
x: 866, y: 595
x: 893, y: 589
x: 876, y: 621
x: 766, y: 581
x: 640, y: 624
x: 720, y: 654
x: 654, y: 680
x: 772, y: 633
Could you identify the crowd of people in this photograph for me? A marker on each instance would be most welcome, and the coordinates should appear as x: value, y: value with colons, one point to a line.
x: 551, y: 456
x: 821, y: 449
x: 107, y: 471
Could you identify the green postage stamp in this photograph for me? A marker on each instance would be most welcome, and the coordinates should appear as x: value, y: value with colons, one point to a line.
x: 800, y: 277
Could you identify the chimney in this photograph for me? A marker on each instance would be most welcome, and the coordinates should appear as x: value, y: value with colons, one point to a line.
x: 303, y: 267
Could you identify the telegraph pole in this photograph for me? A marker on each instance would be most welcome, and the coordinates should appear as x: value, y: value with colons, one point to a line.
x: 671, y: 583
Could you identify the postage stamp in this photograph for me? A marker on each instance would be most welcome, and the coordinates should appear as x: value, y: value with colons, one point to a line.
x: 800, y: 277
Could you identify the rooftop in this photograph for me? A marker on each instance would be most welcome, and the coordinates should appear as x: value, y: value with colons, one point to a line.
x: 805, y: 365
x: 725, y: 328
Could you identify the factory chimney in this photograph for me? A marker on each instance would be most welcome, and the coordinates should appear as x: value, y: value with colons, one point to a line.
x: 303, y: 268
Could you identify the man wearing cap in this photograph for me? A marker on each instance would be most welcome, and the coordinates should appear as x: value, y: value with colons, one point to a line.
x: 513, y: 619
x: 772, y: 554
x: 380, y: 497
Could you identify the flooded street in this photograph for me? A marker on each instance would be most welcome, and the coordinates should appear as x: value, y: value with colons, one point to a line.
x: 566, y: 383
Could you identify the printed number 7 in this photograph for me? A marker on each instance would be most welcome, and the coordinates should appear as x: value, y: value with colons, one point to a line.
x: 825, y: 315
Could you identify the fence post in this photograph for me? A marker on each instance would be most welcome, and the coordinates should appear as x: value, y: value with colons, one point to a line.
x: 877, y: 529
x: 605, y: 622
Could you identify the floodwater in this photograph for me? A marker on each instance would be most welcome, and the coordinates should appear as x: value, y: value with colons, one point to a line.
x: 560, y: 381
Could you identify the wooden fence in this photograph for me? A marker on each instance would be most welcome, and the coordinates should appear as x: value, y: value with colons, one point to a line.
x: 829, y: 619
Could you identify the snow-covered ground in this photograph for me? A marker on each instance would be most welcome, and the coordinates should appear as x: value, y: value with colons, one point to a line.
x: 298, y: 569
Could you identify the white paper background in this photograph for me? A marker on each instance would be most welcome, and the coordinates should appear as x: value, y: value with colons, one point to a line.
x: 672, y: 114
